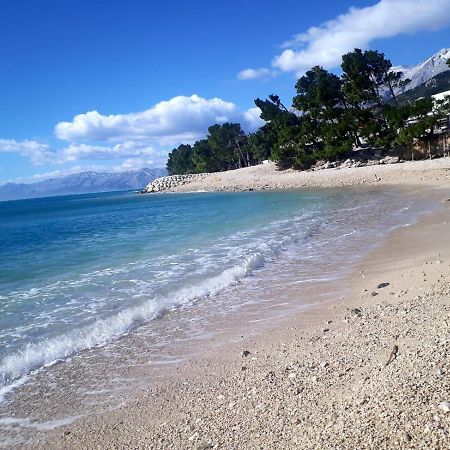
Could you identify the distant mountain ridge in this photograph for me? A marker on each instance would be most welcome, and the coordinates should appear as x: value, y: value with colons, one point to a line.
x: 82, y: 183
x: 436, y: 85
x: 424, y: 71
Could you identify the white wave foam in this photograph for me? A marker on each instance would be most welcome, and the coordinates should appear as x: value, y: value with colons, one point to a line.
x: 49, y: 351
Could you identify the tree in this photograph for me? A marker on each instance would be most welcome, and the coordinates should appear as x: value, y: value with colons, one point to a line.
x: 261, y: 143
x: 229, y: 144
x: 330, y: 116
x: 282, y: 130
x: 320, y: 95
x: 180, y: 160
x: 368, y: 81
x: 204, y: 158
x: 421, y: 120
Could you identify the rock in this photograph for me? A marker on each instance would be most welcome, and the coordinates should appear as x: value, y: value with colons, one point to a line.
x: 445, y: 406
x: 170, y: 182
x: 382, y: 285
x: 245, y: 353
x: 356, y: 311
x: 374, y: 294
x: 204, y: 446
x: 194, y: 436
x: 390, y: 160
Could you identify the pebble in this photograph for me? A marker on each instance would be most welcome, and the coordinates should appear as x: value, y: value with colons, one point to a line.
x: 445, y: 406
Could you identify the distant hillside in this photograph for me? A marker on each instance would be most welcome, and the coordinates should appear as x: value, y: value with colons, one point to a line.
x: 82, y: 183
x: 437, y: 84
x: 426, y: 70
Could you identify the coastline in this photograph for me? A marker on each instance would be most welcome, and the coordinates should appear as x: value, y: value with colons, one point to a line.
x: 267, y: 177
x: 319, y: 380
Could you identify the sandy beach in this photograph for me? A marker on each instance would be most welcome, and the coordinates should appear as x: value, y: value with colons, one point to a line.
x: 370, y: 370
x: 266, y: 176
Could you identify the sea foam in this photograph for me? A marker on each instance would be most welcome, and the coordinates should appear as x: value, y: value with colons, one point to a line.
x: 102, y: 331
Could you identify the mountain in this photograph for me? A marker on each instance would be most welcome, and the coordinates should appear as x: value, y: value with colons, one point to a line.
x: 425, y: 71
x: 82, y: 183
x: 439, y: 83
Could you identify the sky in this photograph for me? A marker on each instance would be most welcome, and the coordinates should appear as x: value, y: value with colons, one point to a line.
x: 113, y: 85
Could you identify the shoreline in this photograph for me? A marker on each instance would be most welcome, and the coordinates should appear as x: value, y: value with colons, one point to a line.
x: 294, y: 392
x: 267, y: 177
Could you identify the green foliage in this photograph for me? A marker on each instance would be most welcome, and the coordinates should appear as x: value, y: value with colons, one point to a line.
x: 261, y: 143
x: 180, y: 160
x: 330, y: 116
x: 421, y: 119
x: 226, y: 147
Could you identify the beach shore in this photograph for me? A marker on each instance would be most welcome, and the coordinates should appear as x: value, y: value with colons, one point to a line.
x: 370, y: 370
x: 266, y: 176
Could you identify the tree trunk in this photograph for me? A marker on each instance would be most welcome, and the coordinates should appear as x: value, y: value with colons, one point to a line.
x: 391, y: 89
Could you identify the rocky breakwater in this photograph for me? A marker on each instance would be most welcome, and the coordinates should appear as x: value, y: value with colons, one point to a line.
x: 170, y: 183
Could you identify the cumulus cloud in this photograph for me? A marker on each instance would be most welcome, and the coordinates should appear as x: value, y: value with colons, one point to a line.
x: 253, y: 74
x: 357, y: 28
x: 181, y: 119
x: 131, y: 141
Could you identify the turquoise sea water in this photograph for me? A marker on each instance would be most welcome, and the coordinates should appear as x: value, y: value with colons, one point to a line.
x: 80, y: 271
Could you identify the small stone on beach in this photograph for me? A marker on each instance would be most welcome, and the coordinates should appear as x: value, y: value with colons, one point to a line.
x: 445, y: 406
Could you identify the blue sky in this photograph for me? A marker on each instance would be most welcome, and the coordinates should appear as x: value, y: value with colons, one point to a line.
x: 112, y: 85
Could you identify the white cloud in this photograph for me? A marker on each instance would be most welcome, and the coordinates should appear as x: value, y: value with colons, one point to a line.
x: 178, y: 120
x: 253, y: 74
x: 37, y: 152
x: 253, y: 119
x: 130, y: 141
x: 40, y: 153
x: 357, y: 28
x: 76, y: 152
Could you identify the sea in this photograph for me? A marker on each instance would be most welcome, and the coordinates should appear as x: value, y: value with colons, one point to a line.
x: 96, y: 273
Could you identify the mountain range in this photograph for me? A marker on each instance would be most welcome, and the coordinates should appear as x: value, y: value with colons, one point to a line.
x: 82, y: 183
x: 425, y: 71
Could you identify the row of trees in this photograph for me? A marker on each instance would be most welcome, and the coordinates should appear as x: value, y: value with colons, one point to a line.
x: 225, y: 147
x: 329, y: 116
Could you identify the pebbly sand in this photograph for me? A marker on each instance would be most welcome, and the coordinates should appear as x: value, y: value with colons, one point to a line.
x: 371, y: 370
x: 266, y: 176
